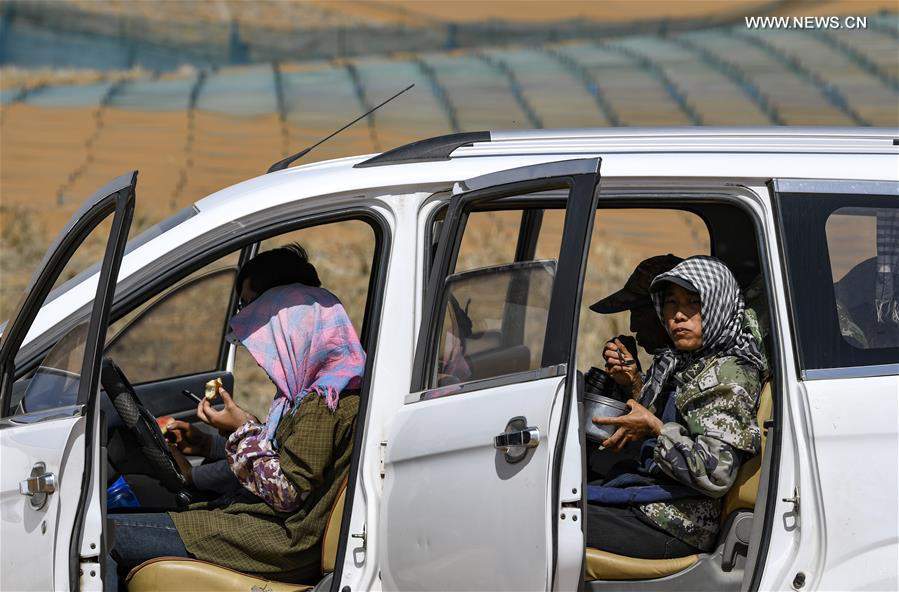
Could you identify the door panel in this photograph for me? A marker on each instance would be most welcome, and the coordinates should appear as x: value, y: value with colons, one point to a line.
x: 165, y: 398
x: 443, y: 450
x: 27, y: 539
x: 463, y: 510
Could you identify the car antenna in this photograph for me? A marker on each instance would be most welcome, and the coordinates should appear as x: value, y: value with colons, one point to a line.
x: 283, y: 164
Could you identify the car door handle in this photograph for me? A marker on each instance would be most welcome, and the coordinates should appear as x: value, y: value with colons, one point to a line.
x: 517, y: 439
x: 38, y: 486
x: 528, y: 437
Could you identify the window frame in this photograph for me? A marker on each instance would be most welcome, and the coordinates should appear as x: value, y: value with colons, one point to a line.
x: 828, y: 196
x: 498, y: 191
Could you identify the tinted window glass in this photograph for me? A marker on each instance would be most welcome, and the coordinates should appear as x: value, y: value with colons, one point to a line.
x: 495, y: 321
x: 841, y: 256
x: 863, y: 247
x: 489, y: 239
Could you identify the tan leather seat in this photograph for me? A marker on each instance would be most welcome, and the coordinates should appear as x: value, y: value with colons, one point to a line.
x: 331, y: 537
x: 743, y: 493
x: 601, y: 565
x: 179, y: 574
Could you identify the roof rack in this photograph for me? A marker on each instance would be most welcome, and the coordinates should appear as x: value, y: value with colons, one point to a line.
x: 429, y: 150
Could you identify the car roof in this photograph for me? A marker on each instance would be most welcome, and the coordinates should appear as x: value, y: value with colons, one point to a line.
x: 852, y: 153
x: 844, y: 140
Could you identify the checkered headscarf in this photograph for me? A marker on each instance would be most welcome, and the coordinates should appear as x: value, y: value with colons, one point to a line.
x: 723, y: 332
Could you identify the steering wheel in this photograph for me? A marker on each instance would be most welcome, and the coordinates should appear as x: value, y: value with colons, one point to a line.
x: 143, y: 425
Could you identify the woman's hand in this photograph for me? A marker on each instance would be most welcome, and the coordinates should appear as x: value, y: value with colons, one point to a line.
x: 637, y: 425
x: 621, y: 365
x: 228, y: 419
x: 188, y: 439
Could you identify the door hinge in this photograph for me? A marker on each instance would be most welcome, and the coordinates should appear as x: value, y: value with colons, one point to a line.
x: 89, y: 577
x: 793, y: 500
x: 382, y: 452
x: 361, y: 535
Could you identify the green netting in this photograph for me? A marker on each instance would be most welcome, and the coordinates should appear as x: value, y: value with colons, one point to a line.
x: 481, y: 96
x: 636, y: 95
x: 320, y: 99
x: 715, y: 96
x: 863, y: 91
x: 416, y: 114
x: 240, y: 91
x: 719, y: 76
x: 797, y: 101
x: 80, y: 95
x: 155, y: 95
x: 880, y: 49
x: 558, y: 97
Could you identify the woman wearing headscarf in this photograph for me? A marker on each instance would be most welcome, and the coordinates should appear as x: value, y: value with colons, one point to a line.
x: 291, y: 465
x: 696, y: 419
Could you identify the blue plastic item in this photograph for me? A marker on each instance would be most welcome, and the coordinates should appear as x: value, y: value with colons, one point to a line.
x: 119, y: 495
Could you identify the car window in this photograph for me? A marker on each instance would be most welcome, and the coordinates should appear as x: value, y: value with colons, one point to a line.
x: 863, y: 248
x: 343, y: 254
x: 842, y: 259
x: 495, y: 321
x: 495, y: 308
x: 621, y: 239
x: 490, y: 239
x: 180, y: 332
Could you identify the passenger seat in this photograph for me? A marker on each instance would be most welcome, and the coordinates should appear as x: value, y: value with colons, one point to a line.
x: 602, y: 565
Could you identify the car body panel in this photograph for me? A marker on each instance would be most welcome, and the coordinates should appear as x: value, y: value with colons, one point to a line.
x: 29, y: 535
x: 439, y: 453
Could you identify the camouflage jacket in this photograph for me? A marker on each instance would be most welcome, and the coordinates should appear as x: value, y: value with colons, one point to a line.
x: 717, y: 399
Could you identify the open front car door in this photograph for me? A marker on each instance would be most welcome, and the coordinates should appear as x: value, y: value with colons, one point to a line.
x: 50, y: 487
x: 477, y: 480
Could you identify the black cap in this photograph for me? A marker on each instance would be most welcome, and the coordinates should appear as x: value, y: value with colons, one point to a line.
x: 635, y: 292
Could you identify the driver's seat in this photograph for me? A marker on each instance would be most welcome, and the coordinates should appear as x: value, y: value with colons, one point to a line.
x: 180, y: 574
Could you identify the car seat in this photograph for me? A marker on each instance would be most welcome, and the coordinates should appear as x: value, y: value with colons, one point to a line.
x: 181, y: 574
x: 736, y: 512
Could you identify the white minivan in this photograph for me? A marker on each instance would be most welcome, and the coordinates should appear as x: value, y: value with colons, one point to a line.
x: 517, y: 228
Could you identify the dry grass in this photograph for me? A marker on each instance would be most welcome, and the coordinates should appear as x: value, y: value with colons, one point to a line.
x: 22, y: 245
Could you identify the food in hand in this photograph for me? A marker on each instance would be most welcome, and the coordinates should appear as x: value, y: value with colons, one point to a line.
x: 212, y: 388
